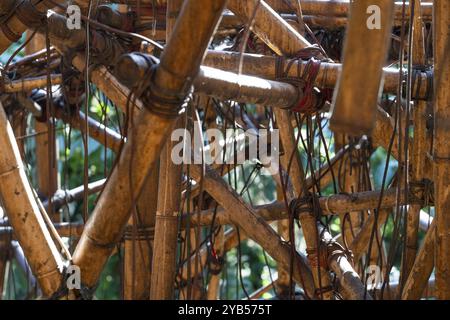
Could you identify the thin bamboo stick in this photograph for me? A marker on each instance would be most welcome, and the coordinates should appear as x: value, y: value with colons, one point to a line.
x: 24, y: 214
x: 28, y: 84
x: 179, y: 63
x: 441, y: 147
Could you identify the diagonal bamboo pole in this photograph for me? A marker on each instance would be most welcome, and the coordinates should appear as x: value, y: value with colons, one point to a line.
x: 179, y: 64
x: 423, y: 266
x: 256, y: 228
x: 24, y: 215
x: 441, y: 147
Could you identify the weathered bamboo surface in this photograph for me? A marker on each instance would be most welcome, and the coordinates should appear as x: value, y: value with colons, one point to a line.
x: 24, y: 215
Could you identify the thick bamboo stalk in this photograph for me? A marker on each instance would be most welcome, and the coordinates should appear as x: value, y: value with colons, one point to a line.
x: 180, y: 62
x: 353, y: 112
x: 166, y: 227
x: 24, y: 215
x: 441, y: 147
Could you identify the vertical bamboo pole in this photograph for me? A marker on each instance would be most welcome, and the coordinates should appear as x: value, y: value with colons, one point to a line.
x: 418, y: 147
x: 366, y: 44
x: 24, y: 215
x: 179, y: 64
x: 441, y: 148
x: 46, y: 176
x: 138, y: 245
x: 164, y: 262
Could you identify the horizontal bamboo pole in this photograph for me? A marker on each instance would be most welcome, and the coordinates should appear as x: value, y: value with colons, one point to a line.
x: 28, y: 84
x: 179, y: 63
x: 131, y: 69
x: 265, y: 67
x: 24, y: 215
x: 65, y: 229
x: 63, y: 197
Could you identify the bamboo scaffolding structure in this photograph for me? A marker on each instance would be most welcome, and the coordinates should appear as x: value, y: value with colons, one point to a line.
x: 24, y: 215
x: 308, y: 222
x: 420, y: 272
x: 256, y: 228
x: 65, y: 229
x: 103, y: 229
x: 441, y: 148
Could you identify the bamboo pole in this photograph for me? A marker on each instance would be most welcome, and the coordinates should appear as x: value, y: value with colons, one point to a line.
x: 139, y: 244
x: 179, y: 63
x: 356, y: 94
x: 441, y: 147
x: 131, y: 69
x: 23, y: 213
x: 420, y: 272
x: 166, y: 227
x: 28, y: 84
x: 268, y: 25
x: 418, y: 147
x: 327, y: 77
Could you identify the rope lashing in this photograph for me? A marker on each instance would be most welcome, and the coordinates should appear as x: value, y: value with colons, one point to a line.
x: 10, y: 34
x: 417, y: 82
x: 311, y: 99
x: 214, y: 261
x: 421, y: 192
x: 309, y: 203
x: 157, y: 100
x: 140, y: 233
x: 29, y: 15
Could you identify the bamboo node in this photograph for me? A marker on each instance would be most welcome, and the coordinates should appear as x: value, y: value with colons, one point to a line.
x: 10, y: 171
